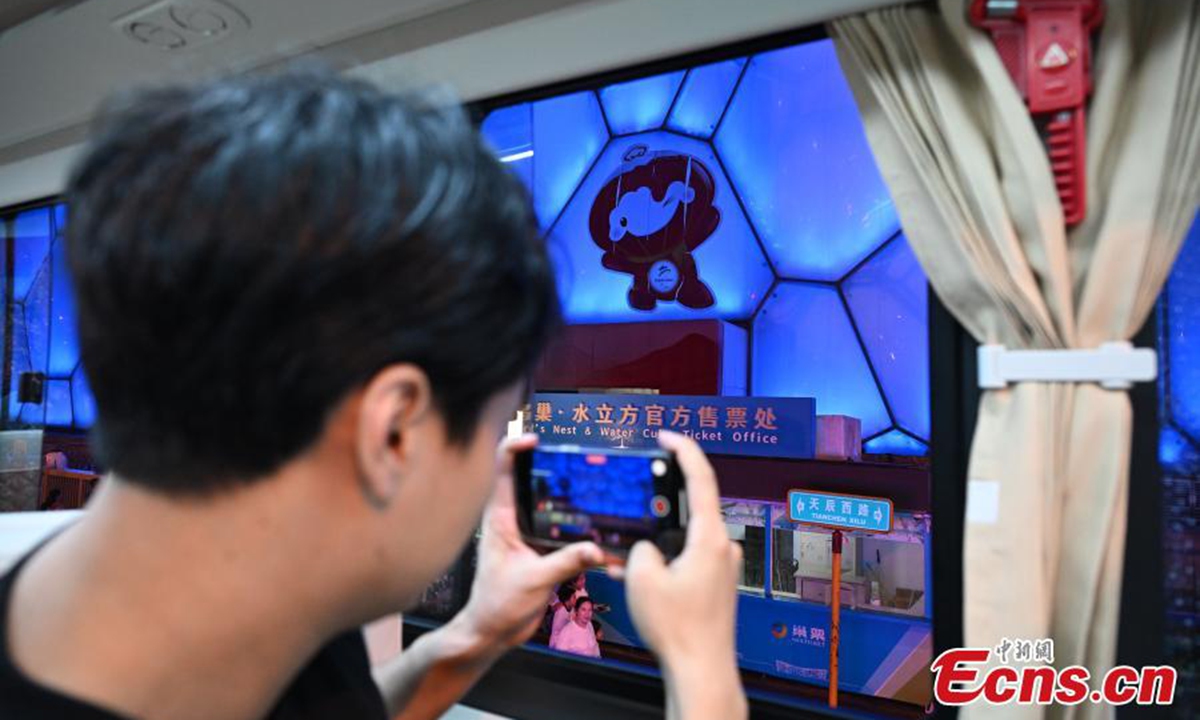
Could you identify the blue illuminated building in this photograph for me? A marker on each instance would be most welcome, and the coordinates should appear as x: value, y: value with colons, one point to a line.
x: 44, y: 338
x: 1179, y: 456
x: 1179, y: 349
x: 808, y: 258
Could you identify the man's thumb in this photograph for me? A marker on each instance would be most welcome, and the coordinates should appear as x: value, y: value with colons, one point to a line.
x: 567, y: 562
x: 645, y: 563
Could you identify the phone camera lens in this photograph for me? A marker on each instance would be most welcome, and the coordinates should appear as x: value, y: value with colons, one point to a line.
x: 660, y: 506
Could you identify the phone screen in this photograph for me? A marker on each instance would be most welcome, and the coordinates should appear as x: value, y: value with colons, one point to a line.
x: 611, y: 497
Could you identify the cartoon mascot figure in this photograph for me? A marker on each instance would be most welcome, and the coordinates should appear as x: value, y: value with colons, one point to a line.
x: 648, y: 218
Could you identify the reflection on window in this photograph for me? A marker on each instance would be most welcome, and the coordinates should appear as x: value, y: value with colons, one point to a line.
x: 40, y: 309
x: 815, y: 294
x: 745, y: 522
x: 803, y: 562
x: 897, y: 574
x: 1179, y: 456
x: 878, y: 572
x: 808, y: 241
x: 885, y: 573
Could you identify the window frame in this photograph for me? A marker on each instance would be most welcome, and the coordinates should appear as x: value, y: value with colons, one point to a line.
x: 534, y: 683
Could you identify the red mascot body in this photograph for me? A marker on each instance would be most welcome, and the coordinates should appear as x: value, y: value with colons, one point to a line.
x: 648, y: 218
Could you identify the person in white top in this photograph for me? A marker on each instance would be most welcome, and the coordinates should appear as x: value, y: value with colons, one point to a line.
x: 578, y: 636
x: 580, y: 585
x: 562, y: 612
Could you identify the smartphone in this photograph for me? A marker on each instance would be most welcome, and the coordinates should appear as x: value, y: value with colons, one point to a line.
x: 613, y: 497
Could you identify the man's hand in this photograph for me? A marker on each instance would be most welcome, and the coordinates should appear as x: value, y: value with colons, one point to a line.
x: 508, y: 600
x: 685, y: 611
x: 513, y: 582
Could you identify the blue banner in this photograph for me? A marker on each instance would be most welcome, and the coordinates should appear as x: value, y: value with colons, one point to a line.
x: 842, y: 512
x: 879, y: 653
x: 758, y: 426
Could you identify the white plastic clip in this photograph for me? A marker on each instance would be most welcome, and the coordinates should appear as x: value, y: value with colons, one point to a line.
x: 1114, y: 365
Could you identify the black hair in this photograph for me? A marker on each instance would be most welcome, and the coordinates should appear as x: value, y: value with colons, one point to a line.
x: 583, y: 599
x: 248, y: 252
x: 565, y: 593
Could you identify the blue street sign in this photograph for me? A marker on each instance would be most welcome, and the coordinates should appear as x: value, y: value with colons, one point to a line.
x: 840, y: 512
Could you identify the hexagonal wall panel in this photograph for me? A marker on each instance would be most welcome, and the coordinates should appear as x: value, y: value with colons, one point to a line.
x: 895, y: 442
x: 703, y: 97
x: 550, y: 144
x: 509, y: 131
x: 64, y: 335
x: 888, y: 300
x: 728, y: 261
x: 804, y: 346
x: 640, y: 105
x: 37, y: 319
x: 793, y: 143
x: 44, y: 332
x: 31, y: 242
x: 82, y: 401
x: 20, y: 358
x: 58, y: 403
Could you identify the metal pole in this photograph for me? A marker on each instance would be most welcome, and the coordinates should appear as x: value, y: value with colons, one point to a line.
x: 836, y: 605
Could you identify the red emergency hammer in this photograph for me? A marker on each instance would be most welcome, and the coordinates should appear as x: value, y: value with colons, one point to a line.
x: 1046, y: 47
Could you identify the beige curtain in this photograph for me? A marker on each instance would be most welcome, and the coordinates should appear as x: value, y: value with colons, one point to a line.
x: 1049, y: 468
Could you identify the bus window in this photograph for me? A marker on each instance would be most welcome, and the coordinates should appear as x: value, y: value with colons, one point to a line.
x: 884, y: 572
x: 745, y: 522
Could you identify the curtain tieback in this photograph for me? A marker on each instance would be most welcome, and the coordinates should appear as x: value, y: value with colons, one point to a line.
x: 1114, y: 365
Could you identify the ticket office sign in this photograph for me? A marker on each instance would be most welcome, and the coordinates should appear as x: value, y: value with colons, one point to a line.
x: 840, y: 512
x: 754, y: 426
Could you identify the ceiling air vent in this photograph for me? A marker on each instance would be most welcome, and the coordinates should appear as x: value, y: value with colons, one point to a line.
x: 178, y: 25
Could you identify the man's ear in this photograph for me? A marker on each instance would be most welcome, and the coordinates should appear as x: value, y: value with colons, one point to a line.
x: 395, y: 405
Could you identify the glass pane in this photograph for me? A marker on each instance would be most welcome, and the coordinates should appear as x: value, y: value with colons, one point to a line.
x: 31, y: 242
x: 31, y: 343
x: 83, y: 404
x: 788, y: 363
x: 59, y: 412
x: 45, y: 385
x: 741, y: 265
x: 803, y: 563
x: 884, y: 572
x: 1179, y: 455
x: 26, y: 286
x: 896, y: 573
x: 704, y: 96
x: 793, y: 143
x: 64, y: 336
x: 640, y: 105
x: 888, y: 300
x: 745, y: 522
x: 895, y: 442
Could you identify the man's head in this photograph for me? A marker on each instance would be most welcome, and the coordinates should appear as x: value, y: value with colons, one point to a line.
x: 272, y: 269
x: 583, y: 610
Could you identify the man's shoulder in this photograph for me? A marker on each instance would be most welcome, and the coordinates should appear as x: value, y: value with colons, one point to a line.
x: 20, y: 695
x: 336, y: 683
